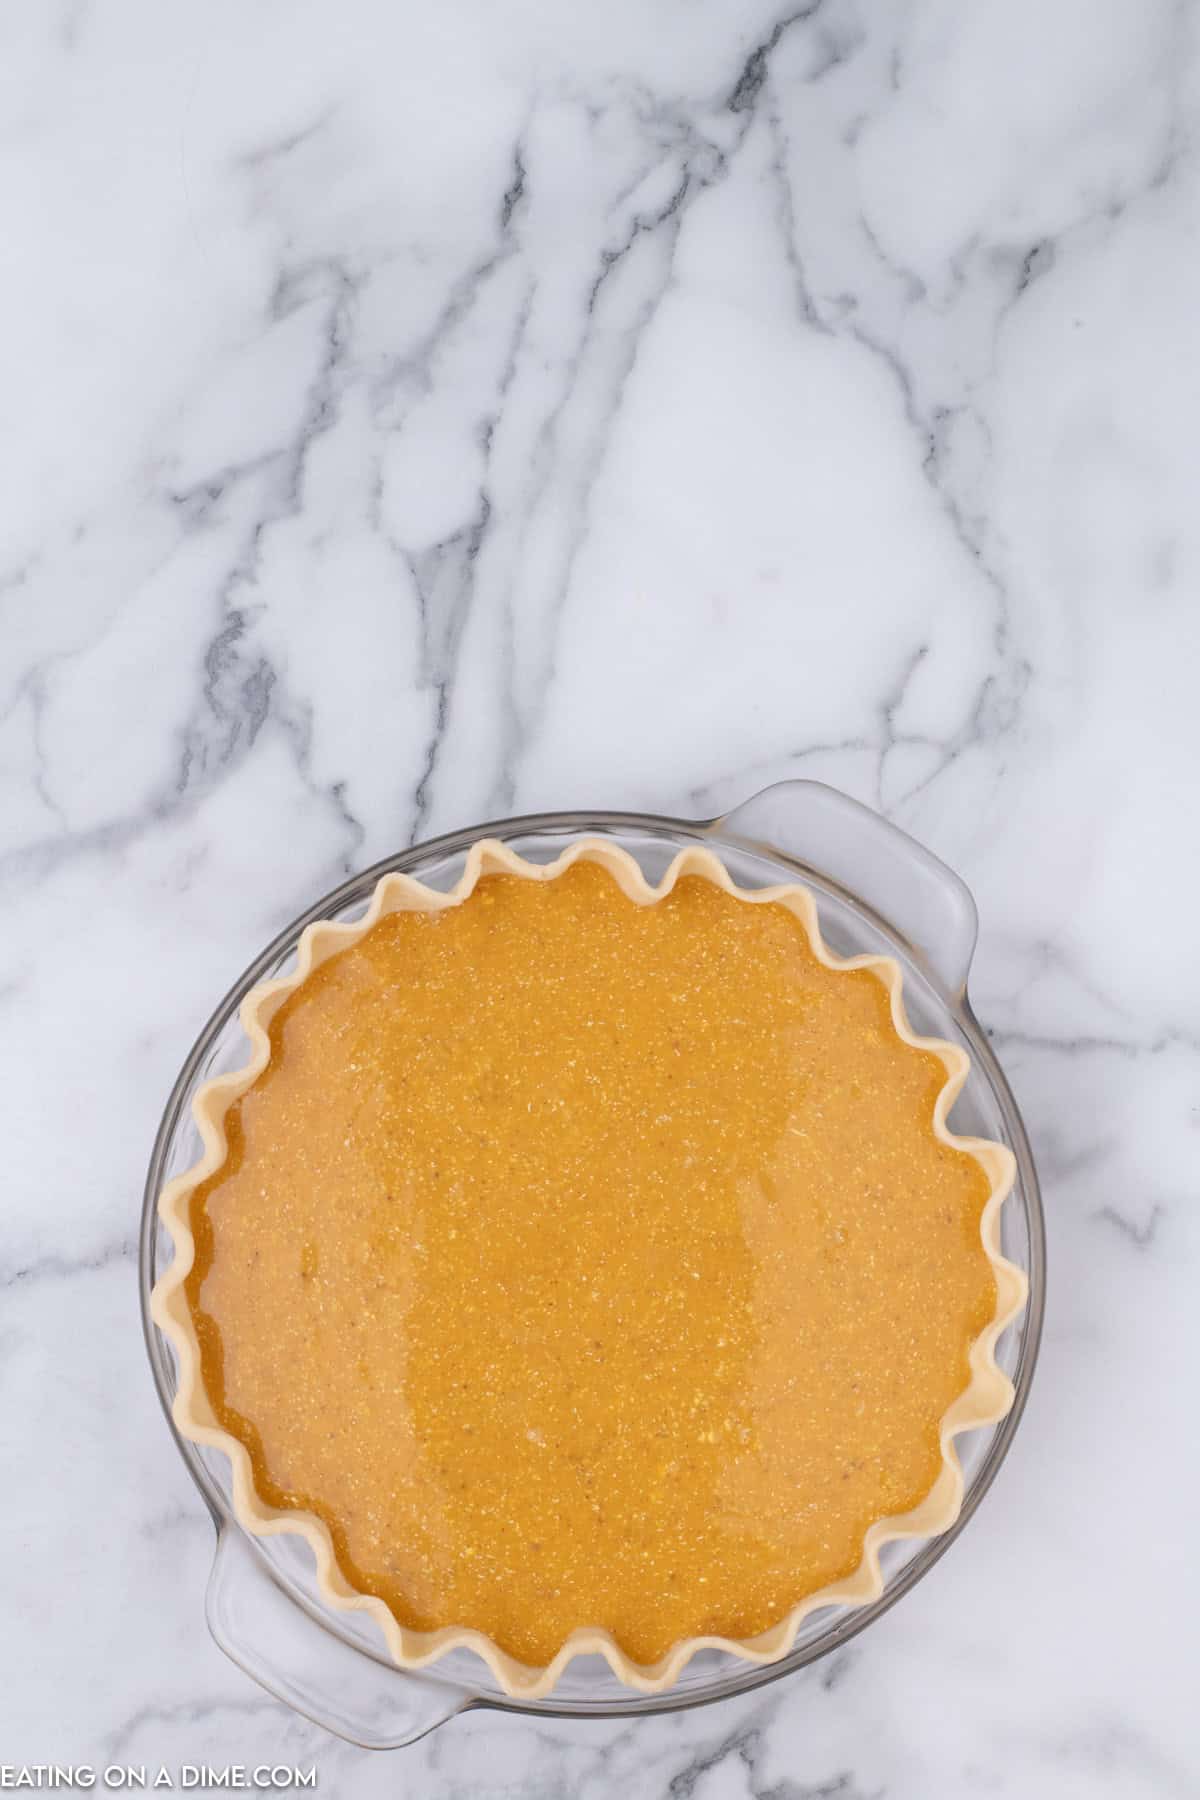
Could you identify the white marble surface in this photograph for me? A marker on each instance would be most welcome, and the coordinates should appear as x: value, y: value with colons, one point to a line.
x: 417, y: 413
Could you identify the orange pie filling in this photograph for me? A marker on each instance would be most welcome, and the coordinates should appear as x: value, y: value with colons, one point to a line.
x: 587, y: 1263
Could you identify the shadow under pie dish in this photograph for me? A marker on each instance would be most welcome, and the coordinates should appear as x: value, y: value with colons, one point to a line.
x: 585, y: 1266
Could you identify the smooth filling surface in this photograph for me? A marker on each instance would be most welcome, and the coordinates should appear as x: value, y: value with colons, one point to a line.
x: 583, y: 1263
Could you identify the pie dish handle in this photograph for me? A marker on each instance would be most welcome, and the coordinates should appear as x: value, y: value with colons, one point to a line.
x: 909, y: 887
x: 319, y: 1675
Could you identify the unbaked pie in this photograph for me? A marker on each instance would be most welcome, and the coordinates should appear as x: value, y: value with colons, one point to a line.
x: 583, y: 1265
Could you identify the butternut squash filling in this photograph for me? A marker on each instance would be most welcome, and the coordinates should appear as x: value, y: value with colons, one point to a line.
x: 584, y: 1263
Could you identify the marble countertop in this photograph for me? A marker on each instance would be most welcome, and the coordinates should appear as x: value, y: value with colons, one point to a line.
x: 414, y: 414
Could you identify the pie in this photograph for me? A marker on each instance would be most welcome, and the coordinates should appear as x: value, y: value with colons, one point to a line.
x: 581, y: 1265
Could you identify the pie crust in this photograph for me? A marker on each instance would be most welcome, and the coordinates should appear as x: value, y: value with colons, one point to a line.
x: 987, y: 1397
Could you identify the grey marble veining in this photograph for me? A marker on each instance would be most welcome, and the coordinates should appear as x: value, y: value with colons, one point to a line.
x: 413, y: 415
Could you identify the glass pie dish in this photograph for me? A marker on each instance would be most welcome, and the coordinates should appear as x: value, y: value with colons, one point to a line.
x: 876, y: 891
